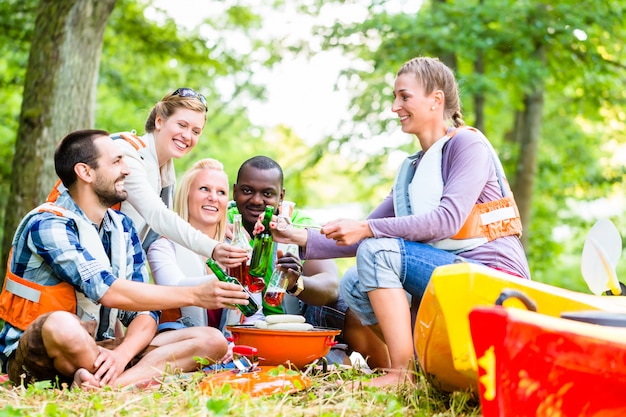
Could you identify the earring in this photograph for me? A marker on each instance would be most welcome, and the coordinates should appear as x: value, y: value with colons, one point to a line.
x: 432, y: 108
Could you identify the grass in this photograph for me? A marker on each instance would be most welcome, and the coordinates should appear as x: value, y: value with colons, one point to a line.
x: 331, y: 394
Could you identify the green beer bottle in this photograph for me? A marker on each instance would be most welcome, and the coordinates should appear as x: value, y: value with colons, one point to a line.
x: 246, y: 310
x: 262, y: 247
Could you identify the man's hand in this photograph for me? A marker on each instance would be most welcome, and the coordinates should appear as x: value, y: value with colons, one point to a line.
x: 292, y: 264
x: 218, y: 294
x: 229, y: 354
x: 109, y: 365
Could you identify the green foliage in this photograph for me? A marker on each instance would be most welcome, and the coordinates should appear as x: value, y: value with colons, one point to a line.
x: 39, y: 386
x: 563, y: 46
x: 9, y: 411
x: 218, y: 407
x: 576, y: 52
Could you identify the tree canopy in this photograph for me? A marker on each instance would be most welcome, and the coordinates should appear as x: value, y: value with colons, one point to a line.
x: 545, y: 82
x: 508, y: 56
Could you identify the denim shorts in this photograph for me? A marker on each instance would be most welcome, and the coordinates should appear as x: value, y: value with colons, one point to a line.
x: 329, y: 316
x: 390, y: 263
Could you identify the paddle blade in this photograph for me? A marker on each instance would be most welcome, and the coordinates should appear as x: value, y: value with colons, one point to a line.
x: 601, y: 252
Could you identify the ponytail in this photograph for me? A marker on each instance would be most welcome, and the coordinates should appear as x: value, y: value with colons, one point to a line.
x: 457, y: 119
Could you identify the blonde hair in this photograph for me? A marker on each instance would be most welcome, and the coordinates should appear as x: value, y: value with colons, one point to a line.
x: 168, y: 106
x: 432, y: 75
x: 181, y: 206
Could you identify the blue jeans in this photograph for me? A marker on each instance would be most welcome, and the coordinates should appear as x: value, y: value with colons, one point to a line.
x: 390, y: 263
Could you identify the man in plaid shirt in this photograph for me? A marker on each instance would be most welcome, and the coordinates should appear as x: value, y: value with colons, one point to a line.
x: 77, y: 270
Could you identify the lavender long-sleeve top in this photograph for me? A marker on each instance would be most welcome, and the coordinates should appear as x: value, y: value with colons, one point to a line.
x: 469, y: 177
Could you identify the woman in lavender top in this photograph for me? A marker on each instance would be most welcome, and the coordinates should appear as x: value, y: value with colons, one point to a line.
x: 428, y: 218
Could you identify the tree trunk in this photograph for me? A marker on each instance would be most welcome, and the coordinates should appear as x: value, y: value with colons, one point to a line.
x: 527, y: 131
x: 447, y: 57
x: 479, y: 96
x: 59, y: 97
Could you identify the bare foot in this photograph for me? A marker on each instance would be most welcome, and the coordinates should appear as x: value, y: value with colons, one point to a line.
x: 85, y: 380
x: 352, y: 384
x: 392, y: 377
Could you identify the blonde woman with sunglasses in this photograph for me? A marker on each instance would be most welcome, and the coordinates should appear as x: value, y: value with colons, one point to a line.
x: 173, y: 129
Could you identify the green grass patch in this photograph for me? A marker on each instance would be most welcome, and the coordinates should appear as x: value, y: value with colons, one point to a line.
x: 336, y: 393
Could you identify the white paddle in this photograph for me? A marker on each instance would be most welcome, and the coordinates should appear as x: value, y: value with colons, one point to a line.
x: 601, y: 252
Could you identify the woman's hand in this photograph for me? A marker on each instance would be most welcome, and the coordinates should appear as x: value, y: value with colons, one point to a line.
x: 347, y: 232
x: 285, y: 234
x: 228, y: 231
x: 229, y: 256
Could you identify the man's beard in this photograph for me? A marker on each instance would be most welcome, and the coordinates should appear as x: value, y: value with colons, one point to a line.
x: 108, y: 195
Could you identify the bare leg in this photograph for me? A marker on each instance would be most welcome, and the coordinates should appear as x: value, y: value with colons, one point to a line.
x: 68, y: 344
x: 71, y: 348
x: 394, y: 325
x: 363, y: 340
x: 175, y: 352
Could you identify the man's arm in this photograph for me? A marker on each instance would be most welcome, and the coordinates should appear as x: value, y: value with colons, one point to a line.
x: 321, y: 282
x: 321, y: 278
x: 138, y: 296
x: 55, y: 239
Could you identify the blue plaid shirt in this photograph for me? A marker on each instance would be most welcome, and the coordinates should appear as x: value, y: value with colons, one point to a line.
x: 48, y: 251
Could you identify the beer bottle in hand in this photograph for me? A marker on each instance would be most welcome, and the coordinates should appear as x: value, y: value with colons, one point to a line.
x: 263, y: 247
x: 246, y: 310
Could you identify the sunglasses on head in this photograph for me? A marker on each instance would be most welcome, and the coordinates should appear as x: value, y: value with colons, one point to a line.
x: 190, y: 92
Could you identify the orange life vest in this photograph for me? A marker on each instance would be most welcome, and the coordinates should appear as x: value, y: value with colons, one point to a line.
x: 22, y: 301
x: 493, y: 219
x: 486, y: 222
x: 496, y: 218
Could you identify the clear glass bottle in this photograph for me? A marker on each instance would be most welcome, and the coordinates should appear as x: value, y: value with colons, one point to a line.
x: 276, y: 287
x: 242, y: 272
x: 247, y: 310
x: 263, y: 247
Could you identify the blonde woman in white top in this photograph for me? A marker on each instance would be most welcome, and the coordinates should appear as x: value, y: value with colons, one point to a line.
x: 201, y: 200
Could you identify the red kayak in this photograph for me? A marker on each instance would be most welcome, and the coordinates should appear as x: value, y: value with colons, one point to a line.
x: 531, y: 364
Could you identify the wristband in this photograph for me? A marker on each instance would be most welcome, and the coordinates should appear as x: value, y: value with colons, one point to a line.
x: 297, y: 288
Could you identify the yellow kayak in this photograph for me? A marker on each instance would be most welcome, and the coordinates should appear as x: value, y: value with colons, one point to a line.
x: 442, y: 332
